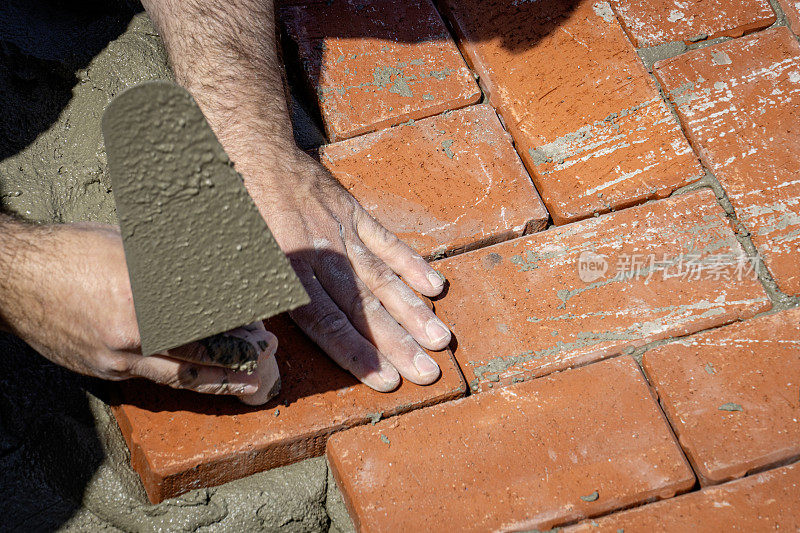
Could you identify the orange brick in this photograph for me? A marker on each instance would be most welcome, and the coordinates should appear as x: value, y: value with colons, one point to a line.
x: 444, y: 184
x: 378, y: 63
x: 654, y: 22
x: 791, y: 8
x: 732, y: 395
x: 740, y: 105
x: 522, y: 309
x: 585, y: 114
x: 533, y: 455
x: 769, y: 501
x: 181, y: 440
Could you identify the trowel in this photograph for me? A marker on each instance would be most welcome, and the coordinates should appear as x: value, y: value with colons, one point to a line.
x: 200, y: 257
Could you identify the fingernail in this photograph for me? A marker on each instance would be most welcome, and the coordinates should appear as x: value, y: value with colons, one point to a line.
x: 389, y: 375
x: 247, y: 383
x: 425, y: 365
x: 250, y: 389
x: 436, y: 331
x: 435, y: 279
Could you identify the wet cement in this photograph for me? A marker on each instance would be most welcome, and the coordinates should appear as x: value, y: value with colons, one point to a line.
x: 65, y: 464
x: 63, y: 461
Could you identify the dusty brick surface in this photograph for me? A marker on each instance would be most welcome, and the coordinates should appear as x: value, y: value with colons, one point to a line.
x: 521, y: 309
x: 586, y: 116
x: 740, y: 104
x: 376, y: 64
x: 180, y: 440
x: 654, y: 22
x: 532, y: 455
x: 444, y: 184
x: 733, y: 395
x: 791, y: 9
x: 769, y: 501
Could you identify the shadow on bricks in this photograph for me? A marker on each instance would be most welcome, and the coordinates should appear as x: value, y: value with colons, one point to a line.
x: 356, y: 51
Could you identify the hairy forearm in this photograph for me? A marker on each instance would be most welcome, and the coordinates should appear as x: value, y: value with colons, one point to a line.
x: 20, y: 252
x: 226, y: 55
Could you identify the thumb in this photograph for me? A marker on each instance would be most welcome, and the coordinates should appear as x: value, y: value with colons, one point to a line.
x: 269, y: 379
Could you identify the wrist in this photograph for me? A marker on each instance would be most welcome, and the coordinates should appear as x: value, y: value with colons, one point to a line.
x: 272, y: 164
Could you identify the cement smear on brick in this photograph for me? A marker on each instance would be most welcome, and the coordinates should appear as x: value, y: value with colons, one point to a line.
x: 63, y: 460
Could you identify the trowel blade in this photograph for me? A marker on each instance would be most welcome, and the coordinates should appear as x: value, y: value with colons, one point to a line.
x: 201, y: 259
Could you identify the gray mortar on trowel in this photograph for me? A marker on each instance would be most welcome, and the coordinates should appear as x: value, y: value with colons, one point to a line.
x: 64, y: 463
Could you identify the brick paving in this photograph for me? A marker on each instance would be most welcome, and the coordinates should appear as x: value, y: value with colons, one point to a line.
x: 510, y: 459
x: 655, y: 22
x: 475, y: 192
x: 622, y: 251
x: 733, y: 394
x: 740, y: 102
x: 180, y: 440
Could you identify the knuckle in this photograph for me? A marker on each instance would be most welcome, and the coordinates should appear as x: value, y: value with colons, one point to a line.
x: 120, y: 333
x: 385, y: 237
x: 363, y: 304
x: 187, y: 377
x: 330, y: 325
x: 115, y: 366
x: 382, y: 276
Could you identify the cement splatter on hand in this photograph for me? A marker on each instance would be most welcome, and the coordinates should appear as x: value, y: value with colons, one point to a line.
x: 730, y: 406
x: 591, y: 497
x: 231, y: 352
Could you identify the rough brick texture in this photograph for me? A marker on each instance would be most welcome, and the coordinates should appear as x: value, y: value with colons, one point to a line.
x: 769, y: 501
x: 586, y: 116
x: 791, y: 9
x: 740, y: 104
x: 444, y: 184
x: 525, y: 308
x: 376, y: 64
x: 654, y: 22
x: 733, y: 395
x: 533, y: 455
x: 180, y: 440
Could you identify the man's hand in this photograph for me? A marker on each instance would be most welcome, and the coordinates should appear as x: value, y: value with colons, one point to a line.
x: 65, y: 291
x: 361, y: 313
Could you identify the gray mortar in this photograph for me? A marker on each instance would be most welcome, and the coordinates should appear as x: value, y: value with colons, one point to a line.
x: 335, y: 507
x: 62, y: 175
x: 64, y: 464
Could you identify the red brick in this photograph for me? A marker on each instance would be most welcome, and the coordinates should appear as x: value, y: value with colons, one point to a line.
x: 520, y: 309
x: 181, y: 440
x: 764, y: 502
x: 732, y: 395
x: 444, y: 184
x: 533, y: 455
x: 791, y: 9
x: 379, y: 63
x: 740, y: 105
x: 587, y: 118
x: 654, y: 22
